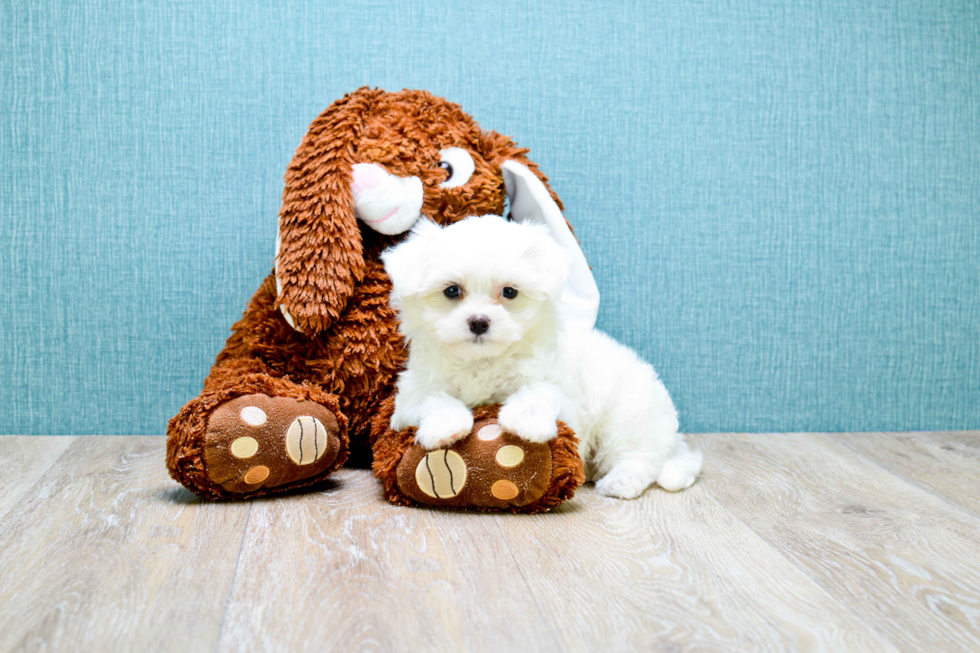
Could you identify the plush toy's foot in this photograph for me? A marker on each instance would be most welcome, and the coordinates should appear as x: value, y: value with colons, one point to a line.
x: 256, y: 442
x: 489, y: 469
x: 253, y: 445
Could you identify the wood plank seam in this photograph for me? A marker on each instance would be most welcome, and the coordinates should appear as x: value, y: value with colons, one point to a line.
x: 816, y: 581
x: 899, y: 475
x: 556, y: 639
x: 234, y: 577
x: 874, y: 618
x: 40, y: 477
x: 107, y: 553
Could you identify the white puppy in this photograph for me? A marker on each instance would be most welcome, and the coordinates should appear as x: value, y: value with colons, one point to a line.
x: 479, y: 307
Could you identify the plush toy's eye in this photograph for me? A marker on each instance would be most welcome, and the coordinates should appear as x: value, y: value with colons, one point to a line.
x: 452, y: 292
x: 459, y: 165
x: 509, y: 293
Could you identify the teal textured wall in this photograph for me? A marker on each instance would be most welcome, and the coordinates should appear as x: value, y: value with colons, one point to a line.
x: 781, y: 200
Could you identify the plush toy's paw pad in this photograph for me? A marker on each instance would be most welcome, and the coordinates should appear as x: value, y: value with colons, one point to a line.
x: 490, y: 468
x: 257, y: 441
x: 441, y: 474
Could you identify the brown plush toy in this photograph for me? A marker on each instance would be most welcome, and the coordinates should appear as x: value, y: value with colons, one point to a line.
x: 314, y: 358
x: 488, y: 470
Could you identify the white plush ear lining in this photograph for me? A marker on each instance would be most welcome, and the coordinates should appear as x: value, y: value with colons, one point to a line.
x: 531, y: 202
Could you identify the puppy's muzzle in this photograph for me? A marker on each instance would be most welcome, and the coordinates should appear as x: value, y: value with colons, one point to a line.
x: 479, y: 324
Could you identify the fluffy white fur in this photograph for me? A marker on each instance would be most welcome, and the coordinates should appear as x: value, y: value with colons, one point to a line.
x: 540, y: 370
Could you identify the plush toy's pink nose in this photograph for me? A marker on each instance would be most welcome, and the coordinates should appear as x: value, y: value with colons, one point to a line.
x: 368, y: 176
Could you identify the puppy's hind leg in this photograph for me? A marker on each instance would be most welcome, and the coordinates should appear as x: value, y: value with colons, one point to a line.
x: 641, y: 445
x: 637, y: 441
x: 632, y: 453
x: 627, y: 479
x: 681, y: 469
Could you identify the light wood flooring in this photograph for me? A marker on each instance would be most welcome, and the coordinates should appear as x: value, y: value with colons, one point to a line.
x: 843, y: 542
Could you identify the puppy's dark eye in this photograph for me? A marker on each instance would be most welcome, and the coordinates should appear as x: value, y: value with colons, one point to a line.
x: 452, y: 292
x: 509, y: 293
x: 448, y: 167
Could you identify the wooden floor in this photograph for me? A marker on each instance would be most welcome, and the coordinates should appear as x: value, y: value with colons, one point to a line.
x: 845, y: 542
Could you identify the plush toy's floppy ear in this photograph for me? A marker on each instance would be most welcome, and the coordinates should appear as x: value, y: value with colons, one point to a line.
x: 319, y: 253
x: 531, y: 201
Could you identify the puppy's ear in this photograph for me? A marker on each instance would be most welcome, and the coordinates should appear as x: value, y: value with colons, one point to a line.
x: 406, y: 263
x: 319, y: 253
x: 551, y: 261
x: 531, y: 201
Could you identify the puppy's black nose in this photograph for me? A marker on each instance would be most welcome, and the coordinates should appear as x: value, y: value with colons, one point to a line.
x: 479, y: 324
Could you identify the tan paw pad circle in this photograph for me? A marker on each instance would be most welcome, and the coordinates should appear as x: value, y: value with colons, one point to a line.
x: 253, y: 416
x: 256, y: 475
x: 441, y: 474
x: 489, y: 432
x: 510, y: 456
x: 306, y: 440
x: 245, y: 447
x: 504, y: 490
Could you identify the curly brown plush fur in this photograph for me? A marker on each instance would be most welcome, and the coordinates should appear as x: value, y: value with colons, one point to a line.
x: 345, y: 350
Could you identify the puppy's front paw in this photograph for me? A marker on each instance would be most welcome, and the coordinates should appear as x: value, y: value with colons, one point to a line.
x: 529, y: 421
x: 443, y: 428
